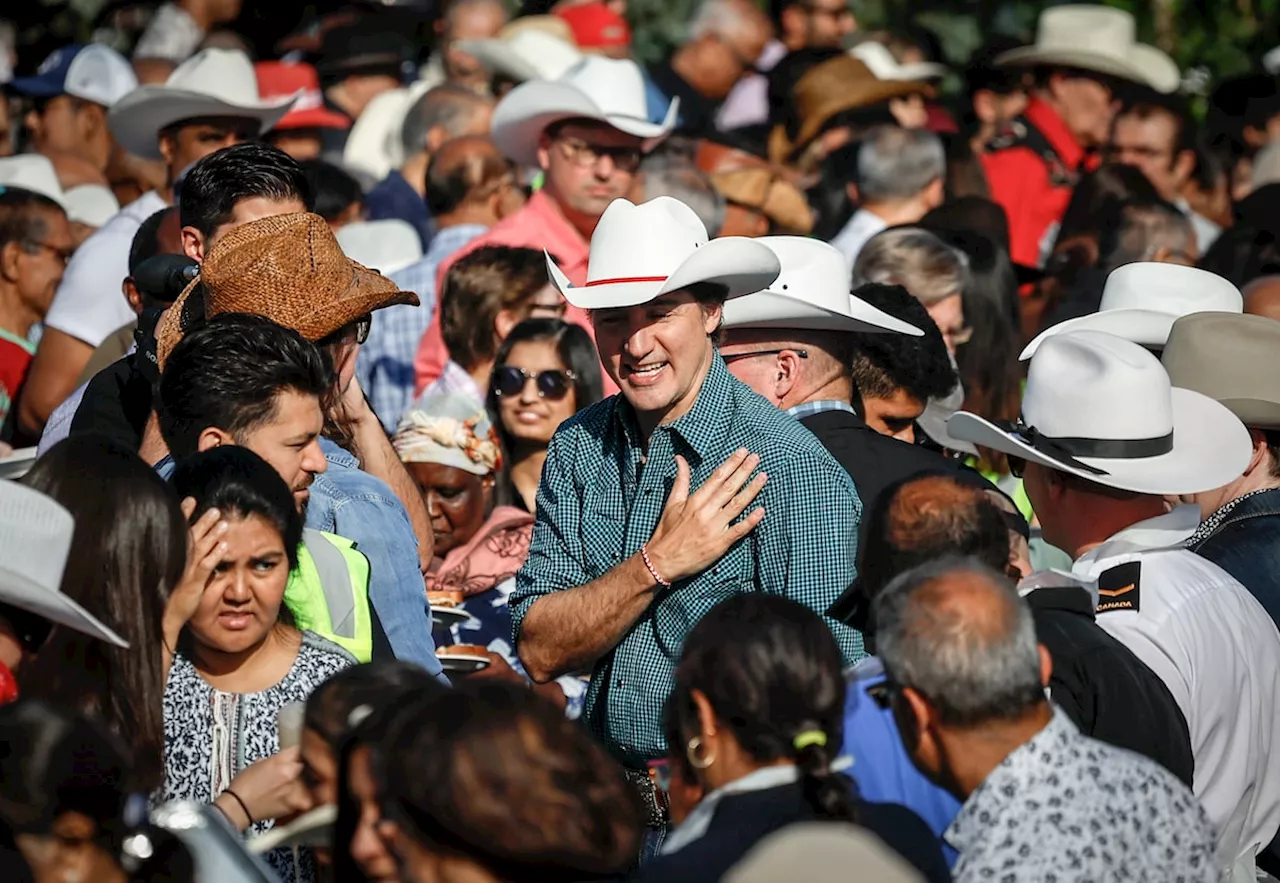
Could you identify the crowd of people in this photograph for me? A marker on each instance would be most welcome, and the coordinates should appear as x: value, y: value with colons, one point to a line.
x: 501, y: 460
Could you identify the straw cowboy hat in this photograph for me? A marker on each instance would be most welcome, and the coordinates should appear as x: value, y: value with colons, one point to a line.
x: 211, y: 83
x: 1231, y: 359
x: 1098, y: 39
x: 641, y: 252
x: 834, y: 86
x: 811, y: 293
x: 525, y: 55
x: 288, y: 268
x: 35, y: 539
x: 754, y: 184
x: 607, y: 90
x: 1103, y: 409
x: 1141, y: 301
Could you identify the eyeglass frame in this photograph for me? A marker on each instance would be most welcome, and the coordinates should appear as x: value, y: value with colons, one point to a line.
x: 569, y: 376
x: 574, y: 149
x: 732, y: 357
x: 33, y: 246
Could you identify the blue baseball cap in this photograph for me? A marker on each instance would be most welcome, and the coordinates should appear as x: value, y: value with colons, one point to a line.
x: 90, y: 72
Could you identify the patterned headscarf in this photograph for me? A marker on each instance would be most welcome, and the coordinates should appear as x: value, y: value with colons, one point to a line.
x: 449, y: 429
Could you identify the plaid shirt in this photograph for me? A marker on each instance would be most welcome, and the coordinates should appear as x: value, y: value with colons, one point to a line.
x: 385, y: 363
x: 597, y: 506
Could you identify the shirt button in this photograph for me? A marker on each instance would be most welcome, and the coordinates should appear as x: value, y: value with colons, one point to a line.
x: 620, y: 683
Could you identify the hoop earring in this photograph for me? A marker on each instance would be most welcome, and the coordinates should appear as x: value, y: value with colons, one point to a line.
x: 693, y: 749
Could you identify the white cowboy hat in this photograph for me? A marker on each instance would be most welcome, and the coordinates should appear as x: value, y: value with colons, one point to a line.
x: 91, y: 204
x: 811, y: 293
x: 880, y: 61
x: 211, y: 83
x: 388, y: 245
x: 524, y: 55
x: 34, y: 172
x: 1103, y: 409
x: 35, y: 539
x: 640, y: 252
x: 373, y: 144
x: 608, y: 90
x: 1141, y: 301
x: 1098, y: 39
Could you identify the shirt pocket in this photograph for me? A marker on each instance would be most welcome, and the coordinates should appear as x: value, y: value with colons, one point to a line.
x: 603, y: 537
x: 679, y: 608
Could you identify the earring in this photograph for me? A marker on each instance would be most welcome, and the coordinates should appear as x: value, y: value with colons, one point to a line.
x: 695, y: 748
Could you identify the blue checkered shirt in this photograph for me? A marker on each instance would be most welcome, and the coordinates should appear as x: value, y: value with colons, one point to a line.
x: 598, y: 503
x: 385, y: 364
x: 808, y: 409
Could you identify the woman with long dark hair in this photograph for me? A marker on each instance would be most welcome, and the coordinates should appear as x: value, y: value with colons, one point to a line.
x: 489, y: 783
x: 128, y: 554
x: 756, y: 717
x: 546, y: 371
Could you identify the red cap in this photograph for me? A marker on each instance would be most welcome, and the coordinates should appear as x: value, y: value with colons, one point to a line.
x: 282, y: 79
x: 595, y: 26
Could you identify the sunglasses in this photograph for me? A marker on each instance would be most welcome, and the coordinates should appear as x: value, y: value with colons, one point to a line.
x: 32, y: 631
x: 508, y: 380
x: 1017, y: 466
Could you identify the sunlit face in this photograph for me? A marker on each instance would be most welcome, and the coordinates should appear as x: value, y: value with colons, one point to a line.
x: 198, y: 138
x: 290, y: 442
x: 69, y: 851
x: 457, y: 501
x: 242, y: 599
x: 59, y: 126
x: 255, y: 208
x: 948, y: 315
x: 894, y: 416
x: 658, y: 352
x: 319, y: 768
x: 1087, y: 106
x: 1149, y: 144
x: 476, y: 21
x: 301, y: 144
x: 530, y: 418
x: 731, y: 58
x: 909, y: 111
x: 828, y: 22
x: 588, y: 165
x: 368, y: 847
x: 41, y: 263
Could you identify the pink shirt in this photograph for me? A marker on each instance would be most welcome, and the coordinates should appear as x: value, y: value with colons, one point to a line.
x: 540, y: 224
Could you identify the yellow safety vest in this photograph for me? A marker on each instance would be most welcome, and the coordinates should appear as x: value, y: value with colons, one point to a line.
x: 328, y: 592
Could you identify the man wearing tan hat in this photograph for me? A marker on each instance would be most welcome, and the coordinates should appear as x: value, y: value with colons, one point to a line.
x: 1231, y: 358
x: 209, y: 102
x: 290, y: 269
x: 1080, y: 53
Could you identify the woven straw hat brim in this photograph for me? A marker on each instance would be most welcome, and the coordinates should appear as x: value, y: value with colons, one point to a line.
x: 781, y: 148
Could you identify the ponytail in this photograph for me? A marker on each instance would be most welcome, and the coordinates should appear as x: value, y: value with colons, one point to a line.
x: 829, y: 793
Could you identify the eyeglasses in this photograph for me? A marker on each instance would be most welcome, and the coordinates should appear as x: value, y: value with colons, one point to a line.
x: 959, y: 337
x: 62, y: 254
x: 803, y: 354
x: 1017, y: 466
x: 882, y: 693
x: 586, y: 156
x: 508, y: 380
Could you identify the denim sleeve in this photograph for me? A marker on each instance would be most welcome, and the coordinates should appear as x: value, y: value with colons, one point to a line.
x: 380, y: 528
x: 555, y: 551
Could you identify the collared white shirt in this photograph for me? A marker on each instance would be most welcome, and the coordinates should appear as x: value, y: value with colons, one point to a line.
x: 1218, y: 651
x: 1207, y: 232
x: 854, y: 234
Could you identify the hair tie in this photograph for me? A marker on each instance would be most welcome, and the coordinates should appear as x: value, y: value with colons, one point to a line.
x: 810, y: 737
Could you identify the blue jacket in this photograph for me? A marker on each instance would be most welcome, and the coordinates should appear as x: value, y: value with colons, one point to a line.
x: 1246, y: 544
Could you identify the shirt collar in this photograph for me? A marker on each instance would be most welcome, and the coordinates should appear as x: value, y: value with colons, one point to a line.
x: 808, y: 409
x: 1017, y: 774
x: 704, y: 427
x: 558, y: 236
x: 1167, y: 531
x: 1055, y: 130
x: 447, y: 240
x: 695, y: 826
x: 338, y: 455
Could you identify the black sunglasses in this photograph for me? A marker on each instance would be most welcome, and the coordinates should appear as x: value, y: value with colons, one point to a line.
x: 32, y: 631
x: 508, y: 380
x: 1017, y: 466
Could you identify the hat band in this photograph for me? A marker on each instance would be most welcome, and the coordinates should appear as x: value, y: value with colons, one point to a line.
x: 618, y: 280
x: 1066, y: 449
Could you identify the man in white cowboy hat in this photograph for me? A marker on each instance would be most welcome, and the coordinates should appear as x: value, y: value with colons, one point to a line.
x: 1032, y: 164
x: 1229, y: 358
x: 1142, y: 300
x: 685, y: 489
x: 587, y: 132
x: 35, y: 539
x: 794, y: 343
x: 1103, y: 439
x: 209, y: 102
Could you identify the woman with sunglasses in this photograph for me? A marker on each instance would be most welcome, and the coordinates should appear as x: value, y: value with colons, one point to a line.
x: 755, y: 718
x: 545, y: 372
x: 451, y: 449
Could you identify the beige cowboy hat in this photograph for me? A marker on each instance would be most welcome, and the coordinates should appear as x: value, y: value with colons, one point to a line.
x: 1231, y: 359
x: 1098, y: 39
x: 641, y: 252
x: 1103, y: 409
x: 607, y: 90
x: 211, y: 83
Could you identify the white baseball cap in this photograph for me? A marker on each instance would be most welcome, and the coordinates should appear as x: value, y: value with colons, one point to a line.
x: 93, y: 73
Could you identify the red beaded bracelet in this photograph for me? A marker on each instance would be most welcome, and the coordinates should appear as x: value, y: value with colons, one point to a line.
x: 653, y: 571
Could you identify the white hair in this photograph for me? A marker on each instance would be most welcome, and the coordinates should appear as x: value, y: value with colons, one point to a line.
x: 915, y: 259
x: 721, y: 18
x: 895, y: 164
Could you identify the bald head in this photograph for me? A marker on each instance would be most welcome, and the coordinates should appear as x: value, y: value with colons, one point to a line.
x: 726, y: 38
x: 464, y: 172
x: 957, y: 633
x: 1262, y: 297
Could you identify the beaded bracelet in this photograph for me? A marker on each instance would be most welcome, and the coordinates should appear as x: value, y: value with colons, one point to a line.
x: 653, y: 571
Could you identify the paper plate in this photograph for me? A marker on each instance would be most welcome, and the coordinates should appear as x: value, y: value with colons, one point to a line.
x: 463, y: 663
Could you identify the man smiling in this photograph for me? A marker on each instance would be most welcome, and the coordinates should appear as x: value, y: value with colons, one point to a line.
x: 684, y: 490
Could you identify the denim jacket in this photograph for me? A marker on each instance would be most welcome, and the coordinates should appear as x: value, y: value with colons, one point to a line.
x: 354, y: 504
x: 1245, y: 542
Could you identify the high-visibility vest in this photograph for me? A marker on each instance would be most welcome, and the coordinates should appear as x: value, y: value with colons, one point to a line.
x: 328, y: 592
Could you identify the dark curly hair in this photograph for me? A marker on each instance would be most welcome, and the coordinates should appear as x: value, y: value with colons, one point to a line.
x: 885, y: 363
